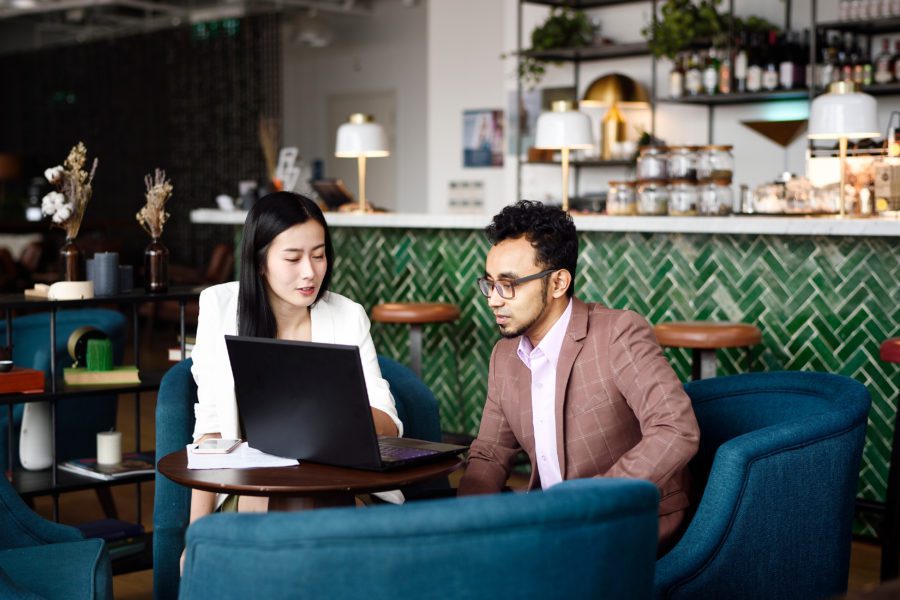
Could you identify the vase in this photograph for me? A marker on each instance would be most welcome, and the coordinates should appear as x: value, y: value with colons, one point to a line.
x: 70, y: 261
x: 156, y: 267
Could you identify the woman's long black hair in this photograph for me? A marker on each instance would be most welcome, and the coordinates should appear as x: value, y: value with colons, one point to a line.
x: 270, y: 216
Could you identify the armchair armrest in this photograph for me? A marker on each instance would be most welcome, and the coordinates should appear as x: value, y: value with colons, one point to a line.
x: 21, y: 527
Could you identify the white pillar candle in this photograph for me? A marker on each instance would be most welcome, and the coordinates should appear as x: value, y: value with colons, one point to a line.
x: 109, y: 447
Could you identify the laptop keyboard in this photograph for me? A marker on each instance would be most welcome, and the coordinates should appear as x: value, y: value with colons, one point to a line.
x: 392, y: 453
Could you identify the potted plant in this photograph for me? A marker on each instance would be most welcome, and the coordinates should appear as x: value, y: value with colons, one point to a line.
x: 564, y: 28
x: 684, y: 24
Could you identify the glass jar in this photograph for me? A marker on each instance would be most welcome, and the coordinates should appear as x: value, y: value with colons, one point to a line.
x: 682, y: 198
x: 652, y: 163
x: 652, y: 197
x: 620, y: 200
x: 716, y: 197
x: 715, y: 162
x: 683, y: 162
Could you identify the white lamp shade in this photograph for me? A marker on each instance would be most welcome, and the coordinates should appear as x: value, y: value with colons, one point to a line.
x: 848, y: 115
x: 361, y: 139
x: 564, y: 129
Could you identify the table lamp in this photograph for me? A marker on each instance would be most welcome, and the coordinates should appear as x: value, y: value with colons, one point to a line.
x: 841, y: 114
x: 564, y: 129
x: 360, y: 138
x: 614, y: 91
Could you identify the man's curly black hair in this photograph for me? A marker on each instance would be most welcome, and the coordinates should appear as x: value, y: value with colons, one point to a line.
x: 549, y: 229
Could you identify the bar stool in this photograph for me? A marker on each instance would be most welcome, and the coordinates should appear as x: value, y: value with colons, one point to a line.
x: 415, y: 314
x: 890, y: 553
x: 704, y: 338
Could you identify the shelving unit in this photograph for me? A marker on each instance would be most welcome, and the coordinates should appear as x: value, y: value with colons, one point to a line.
x: 52, y: 481
x: 577, y: 56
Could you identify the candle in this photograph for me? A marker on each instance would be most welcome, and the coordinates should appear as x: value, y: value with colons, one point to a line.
x: 109, y: 447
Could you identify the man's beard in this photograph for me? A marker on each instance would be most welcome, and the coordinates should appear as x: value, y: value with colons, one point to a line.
x: 527, y: 326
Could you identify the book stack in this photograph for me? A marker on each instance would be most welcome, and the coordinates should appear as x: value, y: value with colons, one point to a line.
x: 115, y: 376
x: 122, y: 538
x: 175, y: 351
x: 133, y: 463
x: 22, y: 380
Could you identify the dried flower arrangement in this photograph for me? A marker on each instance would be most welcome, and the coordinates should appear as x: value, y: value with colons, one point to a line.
x: 153, y: 215
x: 66, y: 205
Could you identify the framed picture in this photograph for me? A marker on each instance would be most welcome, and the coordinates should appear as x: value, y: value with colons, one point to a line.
x: 483, y: 138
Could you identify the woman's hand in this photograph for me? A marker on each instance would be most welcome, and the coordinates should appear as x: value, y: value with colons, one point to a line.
x: 384, y: 425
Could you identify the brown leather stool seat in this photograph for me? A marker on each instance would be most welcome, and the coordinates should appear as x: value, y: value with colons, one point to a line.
x: 890, y: 533
x: 704, y: 338
x: 415, y: 314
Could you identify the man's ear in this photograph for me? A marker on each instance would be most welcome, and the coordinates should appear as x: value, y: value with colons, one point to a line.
x: 561, y: 281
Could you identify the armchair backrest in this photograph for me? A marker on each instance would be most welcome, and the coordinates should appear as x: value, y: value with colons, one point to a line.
x: 778, y: 466
x: 593, y: 538
x: 78, y: 422
x: 416, y: 405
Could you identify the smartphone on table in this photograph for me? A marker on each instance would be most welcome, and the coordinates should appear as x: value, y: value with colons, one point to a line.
x: 216, y: 446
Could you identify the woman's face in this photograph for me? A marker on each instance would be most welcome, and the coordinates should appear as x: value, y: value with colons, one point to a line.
x: 295, y: 265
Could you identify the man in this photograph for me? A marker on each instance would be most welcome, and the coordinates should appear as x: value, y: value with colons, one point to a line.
x: 583, y: 389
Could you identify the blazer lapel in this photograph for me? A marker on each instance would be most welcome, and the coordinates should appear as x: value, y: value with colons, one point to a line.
x: 322, y: 327
x: 571, y: 347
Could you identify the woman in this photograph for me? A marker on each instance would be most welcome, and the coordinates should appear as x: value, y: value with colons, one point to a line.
x: 286, y: 262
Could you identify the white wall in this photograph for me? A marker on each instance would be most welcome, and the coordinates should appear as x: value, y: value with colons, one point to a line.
x: 385, y: 52
x: 465, y: 71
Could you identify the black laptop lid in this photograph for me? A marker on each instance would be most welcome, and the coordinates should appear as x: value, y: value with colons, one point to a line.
x: 304, y: 400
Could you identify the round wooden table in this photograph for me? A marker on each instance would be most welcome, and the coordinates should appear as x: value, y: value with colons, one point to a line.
x: 303, y: 486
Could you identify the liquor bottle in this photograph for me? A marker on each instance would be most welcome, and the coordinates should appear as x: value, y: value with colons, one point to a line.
x: 724, y: 71
x: 676, y: 78
x: 896, y: 60
x: 866, y: 66
x: 754, y: 71
x: 693, y: 78
x: 883, y: 72
x: 740, y: 64
x: 826, y: 65
x: 770, y: 75
x: 791, y: 63
x: 711, y: 73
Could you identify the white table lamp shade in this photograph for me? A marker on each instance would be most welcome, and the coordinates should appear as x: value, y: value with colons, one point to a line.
x: 851, y: 115
x: 360, y: 136
x: 564, y: 129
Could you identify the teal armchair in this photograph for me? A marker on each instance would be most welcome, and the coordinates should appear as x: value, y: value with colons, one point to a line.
x: 416, y: 405
x: 42, y: 559
x: 592, y: 538
x: 778, y: 466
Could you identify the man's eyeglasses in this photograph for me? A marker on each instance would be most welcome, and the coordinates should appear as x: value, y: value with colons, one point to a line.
x: 507, y: 287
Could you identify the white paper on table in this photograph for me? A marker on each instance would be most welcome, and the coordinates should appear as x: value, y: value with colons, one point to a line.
x: 242, y: 457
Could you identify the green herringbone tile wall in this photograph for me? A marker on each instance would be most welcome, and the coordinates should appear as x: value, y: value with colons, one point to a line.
x: 823, y: 304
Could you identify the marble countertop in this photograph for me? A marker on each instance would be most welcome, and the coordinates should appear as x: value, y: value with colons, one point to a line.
x: 740, y: 225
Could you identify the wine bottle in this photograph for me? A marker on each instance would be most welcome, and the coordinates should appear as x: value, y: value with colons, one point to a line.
x: 754, y: 71
x: 883, y: 72
x: 740, y: 64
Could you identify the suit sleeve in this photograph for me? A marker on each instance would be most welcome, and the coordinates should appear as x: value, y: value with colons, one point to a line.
x: 492, y: 453
x: 669, y: 429
x: 376, y: 386
x: 212, y: 370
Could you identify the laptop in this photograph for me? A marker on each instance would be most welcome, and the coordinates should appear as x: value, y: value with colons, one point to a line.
x: 308, y: 401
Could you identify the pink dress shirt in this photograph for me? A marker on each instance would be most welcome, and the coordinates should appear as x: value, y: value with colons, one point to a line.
x: 542, y: 361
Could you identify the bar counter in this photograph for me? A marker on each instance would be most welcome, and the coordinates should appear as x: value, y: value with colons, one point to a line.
x: 822, y: 290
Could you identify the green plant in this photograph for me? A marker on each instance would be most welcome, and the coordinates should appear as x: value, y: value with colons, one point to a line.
x: 564, y: 28
x: 686, y: 23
